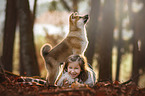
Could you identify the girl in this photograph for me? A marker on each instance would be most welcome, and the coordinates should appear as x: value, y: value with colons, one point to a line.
x: 75, y: 69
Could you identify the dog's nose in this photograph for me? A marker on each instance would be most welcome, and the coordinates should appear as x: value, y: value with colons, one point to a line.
x: 86, y: 18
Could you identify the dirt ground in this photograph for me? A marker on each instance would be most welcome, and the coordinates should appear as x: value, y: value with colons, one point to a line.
x: 11, y: 85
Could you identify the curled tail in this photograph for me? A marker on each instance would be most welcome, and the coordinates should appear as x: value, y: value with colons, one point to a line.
x: 45, y: 49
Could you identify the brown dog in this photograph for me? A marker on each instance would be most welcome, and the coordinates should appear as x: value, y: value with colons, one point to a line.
x: 76, y: 42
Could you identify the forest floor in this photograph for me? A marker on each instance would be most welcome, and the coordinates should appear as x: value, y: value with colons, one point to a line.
x: 11, y: 85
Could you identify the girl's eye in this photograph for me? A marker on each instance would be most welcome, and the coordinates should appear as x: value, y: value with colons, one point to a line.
x: 70, y: 67
x: 76, y: 68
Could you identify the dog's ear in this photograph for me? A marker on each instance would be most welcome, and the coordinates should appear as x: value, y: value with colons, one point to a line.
x: 72, y: 18
x: 72, y: 15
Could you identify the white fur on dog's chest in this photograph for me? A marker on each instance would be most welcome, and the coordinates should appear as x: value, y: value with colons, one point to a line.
x: 85, y: 40
x: 84, y: 45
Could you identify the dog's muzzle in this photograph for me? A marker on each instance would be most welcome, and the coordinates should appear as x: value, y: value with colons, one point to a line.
x: 86, y: 18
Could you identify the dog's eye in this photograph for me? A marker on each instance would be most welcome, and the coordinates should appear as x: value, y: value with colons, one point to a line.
x: 80, y: 17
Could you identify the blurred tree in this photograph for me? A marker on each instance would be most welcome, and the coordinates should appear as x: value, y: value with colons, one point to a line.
x: 53, y: 6
x: 73, y: 8
x: 105, y: 50
x: 138, y: 44
x: 92, y: 29
x: 119, y: 43
x: 52, y: 39
x: 9, y: 34
x: 64, y: 3
x: 1, y: 67
x: 75, y: 5
x: 28, y: 59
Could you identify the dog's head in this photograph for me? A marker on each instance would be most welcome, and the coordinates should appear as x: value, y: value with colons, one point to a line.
x: 78, y: 20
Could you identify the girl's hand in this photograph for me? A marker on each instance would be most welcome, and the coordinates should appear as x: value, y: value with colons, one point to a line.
x: 65, y: 82
x: 77, y: 84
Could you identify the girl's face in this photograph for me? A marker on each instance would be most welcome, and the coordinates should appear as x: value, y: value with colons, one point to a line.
x: 73, y: 69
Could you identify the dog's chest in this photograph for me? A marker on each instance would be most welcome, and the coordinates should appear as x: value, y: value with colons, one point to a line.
x: 84, y: 44
x: 84, y: 39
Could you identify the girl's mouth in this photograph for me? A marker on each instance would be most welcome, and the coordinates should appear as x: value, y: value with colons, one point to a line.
x: 73, y: 75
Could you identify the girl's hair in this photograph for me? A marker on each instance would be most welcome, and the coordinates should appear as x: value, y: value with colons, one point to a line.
x: 83, y: 64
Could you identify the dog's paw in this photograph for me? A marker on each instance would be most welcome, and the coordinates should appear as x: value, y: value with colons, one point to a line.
x: 45, y: 49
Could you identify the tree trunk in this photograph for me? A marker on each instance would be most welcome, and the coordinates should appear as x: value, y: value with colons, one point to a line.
x: 75, y: 5
x: 65, y: 5
x: 9, y: 34
x: 105, y: 51
x: 28, y: 59
x: 119, y: 43
x: 139, y: 44
x: 92, y: 29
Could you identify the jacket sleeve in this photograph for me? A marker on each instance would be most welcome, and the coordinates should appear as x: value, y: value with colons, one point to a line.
x: 91, y: 78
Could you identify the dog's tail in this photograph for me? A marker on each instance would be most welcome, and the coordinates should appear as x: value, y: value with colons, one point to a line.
x: 45, y: 49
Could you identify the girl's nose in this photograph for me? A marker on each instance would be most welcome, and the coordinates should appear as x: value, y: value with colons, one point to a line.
x: 73, y: 71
